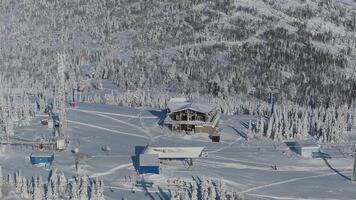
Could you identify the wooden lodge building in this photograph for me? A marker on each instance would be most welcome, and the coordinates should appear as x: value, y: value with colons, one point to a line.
x: 191, y: 117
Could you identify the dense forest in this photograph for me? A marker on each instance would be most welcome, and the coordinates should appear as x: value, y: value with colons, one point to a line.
x: 302, y: 51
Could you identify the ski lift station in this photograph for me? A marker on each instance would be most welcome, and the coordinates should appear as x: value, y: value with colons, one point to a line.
x: 305, y: 148
x: 151, y: 157
x: 41, y: 157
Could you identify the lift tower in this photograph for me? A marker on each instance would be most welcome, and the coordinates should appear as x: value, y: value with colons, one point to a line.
x: 62, y: 98
x: 353, y: 178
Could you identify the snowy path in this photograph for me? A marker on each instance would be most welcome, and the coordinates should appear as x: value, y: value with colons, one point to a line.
x: 115, y: 114
x: 261, y: 164
x: 148, y: 133
x: 136, y: 189
x: 288, y: 181
x: 225, y: 147
x: 111, y: 170
x: 123, y: 122
x: 240, y: 164
x: 111, y: 156
x: 106, y: 129
x: 281, y: 198
x: 117, y: 120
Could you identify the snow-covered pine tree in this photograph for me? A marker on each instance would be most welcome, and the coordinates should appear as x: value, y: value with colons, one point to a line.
x: 84, y: 184
x: 101, y: 190
x: 212, y: 192
x: 194, y: 193
x: 73, y: 191
x: 24, y: 189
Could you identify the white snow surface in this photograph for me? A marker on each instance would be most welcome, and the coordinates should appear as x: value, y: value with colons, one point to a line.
x: 244, y: 165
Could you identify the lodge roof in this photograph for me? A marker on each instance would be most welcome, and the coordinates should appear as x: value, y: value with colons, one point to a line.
x: 177, y: 106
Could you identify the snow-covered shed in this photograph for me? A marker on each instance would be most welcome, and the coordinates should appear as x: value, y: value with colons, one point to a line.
x: 148, y: 164
x: 185, y: 154
x: 41, y: 157
x: 306, y: 148
x: 48, y: 122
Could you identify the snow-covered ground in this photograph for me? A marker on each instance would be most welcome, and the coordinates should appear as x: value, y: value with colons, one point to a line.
x: 244, y: 165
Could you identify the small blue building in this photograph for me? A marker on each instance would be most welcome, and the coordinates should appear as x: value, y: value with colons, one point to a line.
x: 148, y: 164
x: 41, y: 157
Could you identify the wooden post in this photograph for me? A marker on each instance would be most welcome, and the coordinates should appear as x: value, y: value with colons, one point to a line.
x: 353, y: 178
x: 76, y: 166
x: 1, y: 181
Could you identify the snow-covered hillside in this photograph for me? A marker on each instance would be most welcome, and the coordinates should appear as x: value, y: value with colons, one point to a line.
x: 121, y: 61
x: 237, y: 166
x: 304, y: 48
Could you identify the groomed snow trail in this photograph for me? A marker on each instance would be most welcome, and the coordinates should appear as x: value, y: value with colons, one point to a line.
x: 282, y: 198
x: 287, y: 181
x: 106, y: 129
x: 123, y: 122
x: 111, y: 170
x: 136, y: 189
x: 225, y: 147
x: 148, y: 133
x: 115, y: 114
x: 117, y: 120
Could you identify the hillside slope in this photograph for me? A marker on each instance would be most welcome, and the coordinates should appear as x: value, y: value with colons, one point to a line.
x: 304, y: 48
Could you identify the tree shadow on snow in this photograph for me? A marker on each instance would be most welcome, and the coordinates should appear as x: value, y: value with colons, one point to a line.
x: 135, y: 158
x: 145, y: 186
x: 242, y: 134
x: 335, y: 170
x: 161, y: 114
x: 199, y: 186
x: 163, y: 194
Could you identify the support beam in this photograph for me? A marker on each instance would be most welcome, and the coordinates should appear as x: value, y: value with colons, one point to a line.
x: 353, y: 178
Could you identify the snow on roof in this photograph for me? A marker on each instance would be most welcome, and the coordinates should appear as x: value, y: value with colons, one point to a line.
x: 178, y: 100
x: 175, y: 152
x: 41, y: 154
x: 176, y: 106
x: 307, y: 143
x: 149, y: 160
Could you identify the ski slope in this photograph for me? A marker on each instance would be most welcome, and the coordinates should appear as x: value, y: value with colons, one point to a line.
x: 244, y: 165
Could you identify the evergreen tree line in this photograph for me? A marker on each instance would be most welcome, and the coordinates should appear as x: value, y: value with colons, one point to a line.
x: 288, y: 121
x: 204, y: 188
x: 15, y: 111
x: 298, y: 122
x: 222, y: 48
x: 56, y: 187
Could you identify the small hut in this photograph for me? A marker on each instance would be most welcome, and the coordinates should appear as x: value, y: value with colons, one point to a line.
x: 148, y: 164
x: 41, y: 157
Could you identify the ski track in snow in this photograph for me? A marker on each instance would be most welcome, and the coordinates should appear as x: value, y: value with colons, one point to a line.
x: 288, y: 181
x: 225, y: 147
x: 117, y: 120
x: 283, y: 198
x: 106, y: 129
x: 123, y: 122
x: 115, y: 114
x: 243, y: 161
x: 136, y: 189
x: 111, y: 156
x: 111, y: 170
x: 148, y: 133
